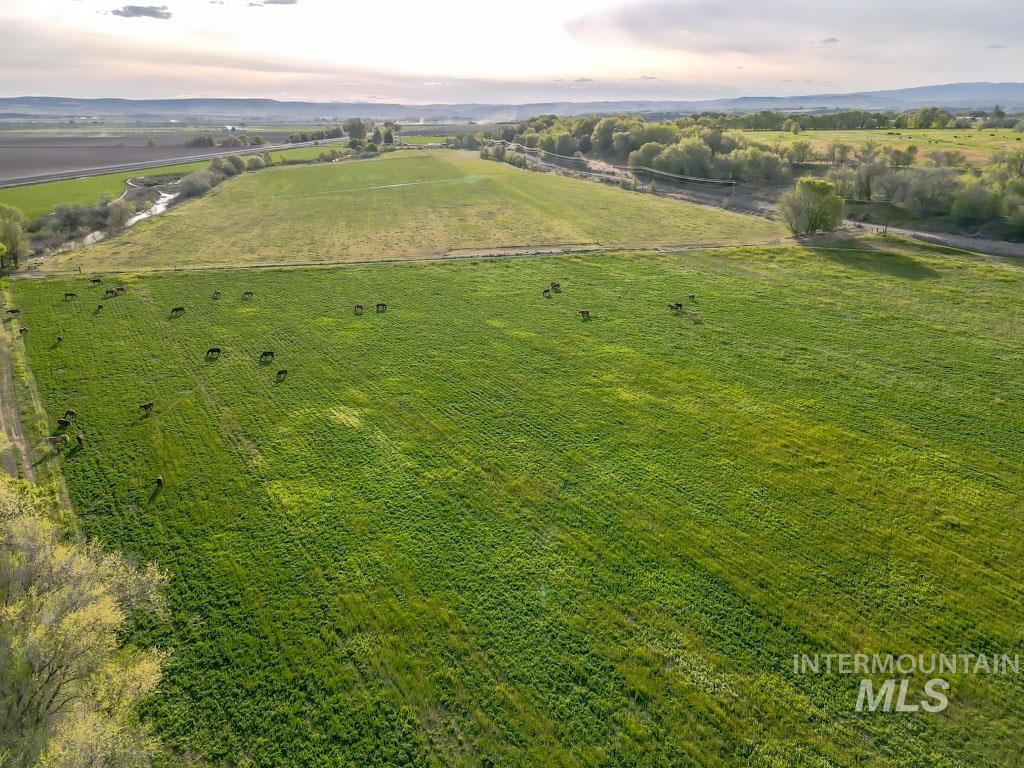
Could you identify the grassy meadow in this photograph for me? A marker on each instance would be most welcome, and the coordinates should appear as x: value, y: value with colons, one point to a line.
x: 977, y: 146
x: 419, y: 140
x: 402, y: 204
x: 38, y: 199
x: 476, y: 530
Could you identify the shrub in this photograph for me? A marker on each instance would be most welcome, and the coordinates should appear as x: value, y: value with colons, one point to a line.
x: 975, y: 204
x: 812, y: 206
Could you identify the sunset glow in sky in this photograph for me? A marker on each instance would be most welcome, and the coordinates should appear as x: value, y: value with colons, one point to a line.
x: 558, y: 50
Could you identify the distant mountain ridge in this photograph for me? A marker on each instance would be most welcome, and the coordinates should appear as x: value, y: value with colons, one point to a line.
x: 954, y: 96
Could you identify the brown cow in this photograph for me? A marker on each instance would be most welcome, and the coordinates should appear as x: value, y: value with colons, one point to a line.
x: 70, y: 295
x: 358, y: 309
x: 71, y: 413
x: 120, y: 289
x: 282, y: 374
x: 81, y: 439
x: 63, y: 423
x: 110, y: 293
x: 556, y: 287
x: 692, y: 297
x: 13, y: 311
x: 216, y: 294
x: 676, y: 307
x: 23, y: 330
x: 148, y: 407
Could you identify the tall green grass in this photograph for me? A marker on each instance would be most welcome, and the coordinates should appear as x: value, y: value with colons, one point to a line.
x: 476, y: 530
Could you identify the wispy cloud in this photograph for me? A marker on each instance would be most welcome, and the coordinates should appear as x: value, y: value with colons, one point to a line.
x: 143, y: 11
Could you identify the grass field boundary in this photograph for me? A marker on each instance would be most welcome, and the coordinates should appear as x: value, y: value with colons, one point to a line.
x: 525, y: 251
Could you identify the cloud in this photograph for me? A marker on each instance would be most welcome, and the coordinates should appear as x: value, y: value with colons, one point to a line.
x: 995, y: 47
x: 143, y: 11
x: 756, y: 28
x: 583, y: 80
x: 645, y: 77
x: 261, y: 3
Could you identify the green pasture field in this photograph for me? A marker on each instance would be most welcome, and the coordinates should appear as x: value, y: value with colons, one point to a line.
x: 402, y: 204
x: 38, y: 199
x: 977, y: 146
x: 477, y: 530
x: 423, y: 139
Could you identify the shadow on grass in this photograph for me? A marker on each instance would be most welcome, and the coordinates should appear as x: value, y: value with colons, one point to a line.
x: 884, y: 262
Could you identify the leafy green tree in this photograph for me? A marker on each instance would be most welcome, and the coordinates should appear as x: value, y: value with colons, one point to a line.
x: 119, y: 213
x: 812, y: 206
x: 355, y: 128
x: 70, y: 688
x: 12, y: 236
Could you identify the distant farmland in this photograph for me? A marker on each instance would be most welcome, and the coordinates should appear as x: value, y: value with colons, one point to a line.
x: 977, y: 145
x: 400, y: 205
x: 477, y: 530
x: 39, y: 199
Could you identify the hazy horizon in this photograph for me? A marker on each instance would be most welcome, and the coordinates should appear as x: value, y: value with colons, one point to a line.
x: 412, y: 53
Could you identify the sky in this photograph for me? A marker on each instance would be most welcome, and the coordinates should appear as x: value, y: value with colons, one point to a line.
x: 457, y: 51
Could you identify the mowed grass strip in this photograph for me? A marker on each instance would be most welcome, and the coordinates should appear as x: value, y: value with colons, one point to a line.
x: 475, y: 529
x: 402, y: 204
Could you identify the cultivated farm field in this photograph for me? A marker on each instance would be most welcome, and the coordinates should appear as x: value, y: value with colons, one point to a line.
x: 978, y: 146
x: 399, y: 205
x: 475, y: 529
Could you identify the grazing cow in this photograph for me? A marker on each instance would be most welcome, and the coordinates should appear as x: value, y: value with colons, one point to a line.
x: 63, y: 423
x: 99, y: 307
x: 216, y: 294
x: 159, y: 481
x: 359, y: 309
x: 175, y: 311
x: 120, y: 289
x: 56, y: 440
x: 148, y: 407
x: 81, y: 439
x: 247, y: 295
x: 547, y: 293
x: 382, y: 307
x: 692, y: 297
x: 95, y: 281
x: 70, y: 295
x: 71, y: 413
x: 23, y: 330
x: 213, y: 352
x: 60, y: 339
x: 282, y: 374
x: 110, y: 293
x: 585, y: 314
x: 266, y: 357
x: 556, y: 287
x: 676, y: 308
x: 13, y: 311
